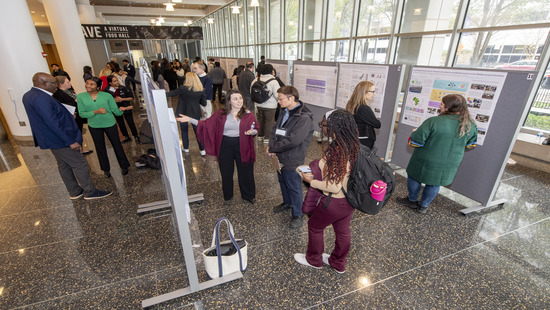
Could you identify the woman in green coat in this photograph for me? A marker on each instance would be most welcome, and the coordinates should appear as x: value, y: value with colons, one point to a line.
x: 439, y: 147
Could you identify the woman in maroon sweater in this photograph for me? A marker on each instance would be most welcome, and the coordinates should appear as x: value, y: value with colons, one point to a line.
x: 229, y: 136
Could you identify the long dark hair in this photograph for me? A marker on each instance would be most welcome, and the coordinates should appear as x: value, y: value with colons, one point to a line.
x: 96, y: 80
x: 227, y: 108
x: 456, y: 104
x: 344, y: 148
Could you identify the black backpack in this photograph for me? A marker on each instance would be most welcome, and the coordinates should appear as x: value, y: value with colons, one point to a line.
x: 259, y: 92
x: 368, y: 169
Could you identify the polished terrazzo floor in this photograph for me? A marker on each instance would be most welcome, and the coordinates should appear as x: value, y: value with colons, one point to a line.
x: 61, y: 254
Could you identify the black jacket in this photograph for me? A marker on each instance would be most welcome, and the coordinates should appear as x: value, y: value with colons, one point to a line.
x: 245, y: 82
x: 131, y: 70
x: 189, y: 102
x: 366, y: 122
x: 291, y: 147
x: 125, y: 92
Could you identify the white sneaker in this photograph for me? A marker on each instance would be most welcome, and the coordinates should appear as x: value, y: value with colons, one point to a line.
x: 266, y: 140
x: 301, y: 259
x: 185, y: 150
x: 325, y: 258
x: 203, y: 152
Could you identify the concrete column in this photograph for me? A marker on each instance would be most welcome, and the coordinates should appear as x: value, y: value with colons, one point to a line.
x: 69, y: 40
x: 86, y: 12
x: 20, y: 58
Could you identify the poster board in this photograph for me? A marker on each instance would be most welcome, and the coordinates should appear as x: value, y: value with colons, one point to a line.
x: 316, y: 82
x: 481, y: 168
x: 350, y: 75
x: 281, y: 66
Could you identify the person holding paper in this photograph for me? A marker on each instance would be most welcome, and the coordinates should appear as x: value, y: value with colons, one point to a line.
x: 289, y: 140
x: 229, y: 136
x: 53, y: 127
x: 333, y: 171
x: 99, y: 107
x: 439, y: 145
x: 359, y: 106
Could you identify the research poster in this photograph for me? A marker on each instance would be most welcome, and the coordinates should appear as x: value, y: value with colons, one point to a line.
x: 316, y: 84
x: 228, y: 65
x: 428, y: 85
x: 351, y: 74
x: 282, y: 72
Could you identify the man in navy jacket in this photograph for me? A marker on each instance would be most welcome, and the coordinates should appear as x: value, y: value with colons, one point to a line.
x: 53, y: 127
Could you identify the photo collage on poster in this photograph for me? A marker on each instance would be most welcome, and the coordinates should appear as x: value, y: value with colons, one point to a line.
x: 427, y: 86
x: 351, y: 74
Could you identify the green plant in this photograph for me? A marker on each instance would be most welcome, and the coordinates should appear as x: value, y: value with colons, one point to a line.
x: 538, y: 121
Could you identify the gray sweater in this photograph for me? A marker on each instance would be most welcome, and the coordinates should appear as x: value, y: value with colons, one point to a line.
x: 217, y: 75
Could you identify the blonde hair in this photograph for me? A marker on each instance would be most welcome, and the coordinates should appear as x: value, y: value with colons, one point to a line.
x: 192, y: 82
x: 358, y: 96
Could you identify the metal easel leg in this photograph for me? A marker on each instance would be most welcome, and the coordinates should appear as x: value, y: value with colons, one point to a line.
x: 163, y: 204
x: 499, y: 202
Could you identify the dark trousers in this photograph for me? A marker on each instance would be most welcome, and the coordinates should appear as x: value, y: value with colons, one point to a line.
x: 230, y: 154
x: 367, y: 142
x: 101, y: 150
x: 129, y: 116
x: 185, y: 135
x: 218, y: 88
x: 73, y: 169
x: 266, y: 119
x: 339, y: 214
x: 249, y: 104
x: 291, y: 188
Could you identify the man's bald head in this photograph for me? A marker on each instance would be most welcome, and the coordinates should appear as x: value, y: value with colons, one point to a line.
x: 44, y: 81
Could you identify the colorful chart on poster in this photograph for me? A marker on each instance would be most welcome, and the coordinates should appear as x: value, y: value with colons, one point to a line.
x: 316, y: 84
x: 351, y: 74
x: 428, y: 85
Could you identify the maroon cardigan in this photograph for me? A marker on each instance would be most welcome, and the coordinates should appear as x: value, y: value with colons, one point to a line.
x: 210, y: 134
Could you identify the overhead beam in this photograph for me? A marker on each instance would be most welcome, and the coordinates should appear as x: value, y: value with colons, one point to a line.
x: 190, y: 2
x: 128, y: 10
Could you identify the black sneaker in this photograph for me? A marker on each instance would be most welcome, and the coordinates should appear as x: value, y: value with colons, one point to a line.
x: 420, y: 209
x: 77, y: 196
x: 406, y: 202
x: 296, y: 222
x: 281, y: 208
x: 98, y: 194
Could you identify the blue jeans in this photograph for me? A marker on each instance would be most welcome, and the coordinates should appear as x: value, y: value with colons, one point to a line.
x: 291, y: 188
x: 185, y: 135
x: 429, y: 193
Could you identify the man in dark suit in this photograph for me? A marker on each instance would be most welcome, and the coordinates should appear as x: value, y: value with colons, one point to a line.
x: 58, y: 71
x: 131, y: 70
x: 245, y: 82
x: 53, y: 127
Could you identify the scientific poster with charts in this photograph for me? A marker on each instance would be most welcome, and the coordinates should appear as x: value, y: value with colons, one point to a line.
x: 428, y: 85
x: 316, y: 84
x: 351, y: 74
x: 282, y: 72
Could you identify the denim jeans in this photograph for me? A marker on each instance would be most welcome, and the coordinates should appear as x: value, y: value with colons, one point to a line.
x: 185, y: 136
x: 429, y: 193
x: 291, y: 188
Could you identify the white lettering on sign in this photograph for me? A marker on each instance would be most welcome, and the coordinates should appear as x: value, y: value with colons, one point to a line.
x: 92, y: 32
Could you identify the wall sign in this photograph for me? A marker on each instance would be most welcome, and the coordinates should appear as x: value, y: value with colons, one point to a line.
x: 117, y: 32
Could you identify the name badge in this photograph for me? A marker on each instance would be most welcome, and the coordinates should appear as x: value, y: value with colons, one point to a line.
x: 280, y: 132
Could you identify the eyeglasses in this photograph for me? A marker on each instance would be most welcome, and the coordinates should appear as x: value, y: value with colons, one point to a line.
x: 280, y: 99
x: 321, y: 125
x: 371, y: 91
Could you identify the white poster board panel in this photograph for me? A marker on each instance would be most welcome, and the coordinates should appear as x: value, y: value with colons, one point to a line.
x: 428, y: 85
x: 282, y: 72
x: 316, y: 84
x: 351, y: 74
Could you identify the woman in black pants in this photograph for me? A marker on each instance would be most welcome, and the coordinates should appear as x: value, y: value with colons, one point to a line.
x: 99, y: 107
x: 123, y: 98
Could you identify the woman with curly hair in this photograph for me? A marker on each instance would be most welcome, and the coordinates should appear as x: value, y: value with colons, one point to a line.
x: 359, y: 106
x: 332, y: 209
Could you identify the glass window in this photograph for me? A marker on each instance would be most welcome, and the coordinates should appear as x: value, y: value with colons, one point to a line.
x: 241, y: 23
x: 311, y: 51
x: 488, y: 13
x: 251, y: 27
x: 429, y: 15
x: 375, y: 17
x: 262, y: 14
x: 291, y: 51
x: 337, y: 50
x: 275, y: 21
x: 275, y: 51
x: 519, y: 48
x: 371, y: 50
x: 340, y: 14
x: 227, y: 29
x: 313, y: 11
x: 539, y: 115
x: 428, y: 50
x: 291, y: 20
